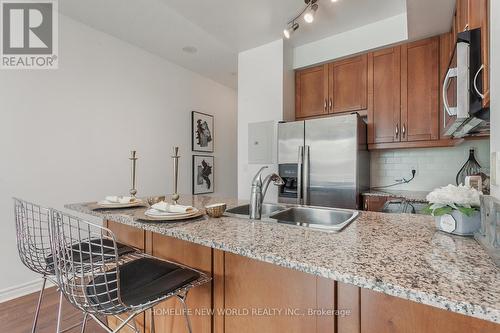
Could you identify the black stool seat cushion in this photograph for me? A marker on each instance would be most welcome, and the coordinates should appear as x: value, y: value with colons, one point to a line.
x: 141, y: 281
x: 95, y: 249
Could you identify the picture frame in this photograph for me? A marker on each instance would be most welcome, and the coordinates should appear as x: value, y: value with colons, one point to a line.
x: 203, y: 174
x: 202, y: 132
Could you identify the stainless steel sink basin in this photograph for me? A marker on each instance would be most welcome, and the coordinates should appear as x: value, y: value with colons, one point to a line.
x: 244, y: 210
x: 326, y: 219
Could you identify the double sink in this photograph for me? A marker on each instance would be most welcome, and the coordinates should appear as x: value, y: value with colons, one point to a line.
x: 324, y: 219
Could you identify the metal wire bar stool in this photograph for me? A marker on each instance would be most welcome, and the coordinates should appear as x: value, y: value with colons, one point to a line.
x: 35, y: 249
x: 99, y: 282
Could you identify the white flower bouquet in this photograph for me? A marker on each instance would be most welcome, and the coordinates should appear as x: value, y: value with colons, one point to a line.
x: 446, y: 199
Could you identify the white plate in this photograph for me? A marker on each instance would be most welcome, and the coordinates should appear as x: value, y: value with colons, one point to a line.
x: 107, y: 204
x: 157, y: 213
x: 142, y: 216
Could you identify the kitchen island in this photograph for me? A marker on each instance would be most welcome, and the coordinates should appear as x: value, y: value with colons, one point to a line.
x: 385, y: 270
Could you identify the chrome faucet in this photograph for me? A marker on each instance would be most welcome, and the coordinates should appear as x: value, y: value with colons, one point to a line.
x: 259, y: 189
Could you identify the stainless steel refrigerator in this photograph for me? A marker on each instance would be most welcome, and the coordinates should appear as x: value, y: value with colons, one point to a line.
x: 324, y: 162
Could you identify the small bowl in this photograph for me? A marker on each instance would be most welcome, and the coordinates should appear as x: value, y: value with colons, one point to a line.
x: 216, y: 210
x: 155, y: 200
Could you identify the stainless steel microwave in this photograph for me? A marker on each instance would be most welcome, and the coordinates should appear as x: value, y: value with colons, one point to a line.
x: 462, y: 88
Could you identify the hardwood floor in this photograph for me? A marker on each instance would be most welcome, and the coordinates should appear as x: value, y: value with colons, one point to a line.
x: 16, y: 316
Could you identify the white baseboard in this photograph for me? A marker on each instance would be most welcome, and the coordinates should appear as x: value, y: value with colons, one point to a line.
x: 22, y: 289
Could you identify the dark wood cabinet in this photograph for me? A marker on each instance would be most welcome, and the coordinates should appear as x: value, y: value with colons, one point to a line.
x: 419, y: 90
x: 200, y: 298
x: 385, y: 114
x: 383, y: 313
x: 311, y: 92
x: 338, y: 87
x: 374, y: 203
x: 348, y: 84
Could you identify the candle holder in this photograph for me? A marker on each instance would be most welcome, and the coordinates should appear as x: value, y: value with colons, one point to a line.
x: 133, y: 158
x: 175, y: 158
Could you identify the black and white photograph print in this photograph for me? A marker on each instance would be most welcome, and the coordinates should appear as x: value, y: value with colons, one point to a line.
x: 203, y: 174
x: 203, y: 132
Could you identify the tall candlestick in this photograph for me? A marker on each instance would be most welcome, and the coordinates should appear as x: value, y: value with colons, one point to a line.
x: 133, y: 158
x: 175, y: 157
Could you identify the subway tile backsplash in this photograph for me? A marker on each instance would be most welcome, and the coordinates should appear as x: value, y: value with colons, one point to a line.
x: 435, y: 166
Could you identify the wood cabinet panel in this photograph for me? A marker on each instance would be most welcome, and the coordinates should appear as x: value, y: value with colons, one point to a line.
x: 462, y: 12
x: 168, y: 315
x: 374, y: 203
x: 383, y: 313
x: 348, y: 299
x: 419, y: 90
x: 128, y: 235
x: 348, y: 84
x: 311, y: 92
x: 384, y: 112
x: 254, y: 286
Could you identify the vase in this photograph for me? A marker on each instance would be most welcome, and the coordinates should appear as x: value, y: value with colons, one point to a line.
x: 457, y: 223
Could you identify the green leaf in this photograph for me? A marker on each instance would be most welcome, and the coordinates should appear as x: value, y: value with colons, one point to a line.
x: 442, y: 211
x: 427, y: 210
x: 467, y: 211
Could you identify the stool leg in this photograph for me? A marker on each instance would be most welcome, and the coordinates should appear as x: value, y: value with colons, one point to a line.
x: 182, y: 298
x: 37, y: 311
x: 59, y: 312
x: 84, y: 322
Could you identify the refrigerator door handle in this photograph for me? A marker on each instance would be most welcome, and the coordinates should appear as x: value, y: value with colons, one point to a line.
x: 306, y: 175
x: 299, y: 175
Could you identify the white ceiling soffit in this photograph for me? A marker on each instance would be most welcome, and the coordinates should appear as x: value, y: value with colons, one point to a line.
x: 154, y: 27
x: 428, y: 18
x: 220, y: 29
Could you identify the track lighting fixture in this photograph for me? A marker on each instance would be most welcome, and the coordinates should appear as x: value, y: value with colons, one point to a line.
x: 290, y: 30
x: 307, y: 13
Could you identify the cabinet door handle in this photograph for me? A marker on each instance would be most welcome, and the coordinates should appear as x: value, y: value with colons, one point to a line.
x: 366, y: 204
x: 331, y: 104
x: 326, y: 104
x: 403, y: 130
x: 397, y: 131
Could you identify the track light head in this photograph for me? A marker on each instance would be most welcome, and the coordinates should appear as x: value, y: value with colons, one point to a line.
x: 310, y: 13
x: 290, y: 30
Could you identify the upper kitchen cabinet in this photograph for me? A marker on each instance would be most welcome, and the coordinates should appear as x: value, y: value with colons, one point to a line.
x: 419, y: 90
x: 338, y: 87
x: 348, y: 85
x: 385, y: 96
x: 403, y: 92
x: 311, y: 92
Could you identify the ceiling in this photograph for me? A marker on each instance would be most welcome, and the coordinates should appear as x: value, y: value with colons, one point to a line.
x: 220, y: 29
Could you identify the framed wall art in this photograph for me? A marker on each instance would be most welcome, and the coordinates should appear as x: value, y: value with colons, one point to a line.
x: 203, y: 174
x: 202, y: 132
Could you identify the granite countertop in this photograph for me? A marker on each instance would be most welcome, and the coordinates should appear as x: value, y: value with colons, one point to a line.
x: 397, y: 254
x: 412, y: 196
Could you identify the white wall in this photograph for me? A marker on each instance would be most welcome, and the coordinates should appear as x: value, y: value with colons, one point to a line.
x: 435, y: 167
x: 261, y: 89
x: 495, y: 80
x: 371, y: 36
x: 65, y: 134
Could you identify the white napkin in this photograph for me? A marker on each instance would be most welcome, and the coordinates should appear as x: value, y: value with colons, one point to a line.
x: 168, y: 208
x: 119, y: 199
